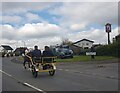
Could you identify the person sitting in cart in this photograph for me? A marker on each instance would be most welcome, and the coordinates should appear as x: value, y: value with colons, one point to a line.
x: 36, y: 54
x: 47, y: 53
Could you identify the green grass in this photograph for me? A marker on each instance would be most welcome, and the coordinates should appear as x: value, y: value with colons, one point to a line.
x: 85, y: 59
x: 20, y: 58
x: 81, y: 59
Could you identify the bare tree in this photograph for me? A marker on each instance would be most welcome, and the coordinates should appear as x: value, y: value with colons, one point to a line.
x: 66, y: 41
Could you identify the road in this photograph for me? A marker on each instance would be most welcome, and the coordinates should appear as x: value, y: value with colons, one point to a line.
x: 76, y: 76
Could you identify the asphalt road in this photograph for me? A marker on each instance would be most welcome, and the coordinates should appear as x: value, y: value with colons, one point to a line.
x: 68, y: 77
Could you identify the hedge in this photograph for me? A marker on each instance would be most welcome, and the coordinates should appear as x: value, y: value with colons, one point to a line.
x: 109, y: 50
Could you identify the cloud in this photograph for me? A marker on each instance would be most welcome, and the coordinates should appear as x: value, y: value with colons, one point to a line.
x: 32, y: 34
x: 38, y: 30
x: 11, y: 19
x: 77, y: 26
x: 32, y: 17
x: 97, y: 35
x: 61, y: 1
x: 72, y: 20
x: 8, y: 32
x: 49, y: 34
x: 89, y: 13
x: 11, y: 8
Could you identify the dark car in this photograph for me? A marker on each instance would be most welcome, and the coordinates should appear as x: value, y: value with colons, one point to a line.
x: 64, y: 52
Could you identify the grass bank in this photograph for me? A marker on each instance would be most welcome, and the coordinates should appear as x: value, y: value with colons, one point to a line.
x: 85, y: 59
x: 80, y: 59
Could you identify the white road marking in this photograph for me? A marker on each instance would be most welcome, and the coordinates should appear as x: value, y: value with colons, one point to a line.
x: 23, y: 82
x: 89, y: 74
x: 66, y: 70
x: 34, y: 87
x: 60, y: 69
x: 6, y: 73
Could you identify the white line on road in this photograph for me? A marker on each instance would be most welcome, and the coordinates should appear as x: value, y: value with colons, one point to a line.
x: 34, y: 87
x: 6, y: 73
x: 26, y: 84
x: 60, y: 69
x: 66, y: 70
x: 90, y: 74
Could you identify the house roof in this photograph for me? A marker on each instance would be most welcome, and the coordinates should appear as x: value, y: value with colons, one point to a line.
x: 6, y: 47
x: 74, y: 45
x: 84, y: 40
x: 22, y: 49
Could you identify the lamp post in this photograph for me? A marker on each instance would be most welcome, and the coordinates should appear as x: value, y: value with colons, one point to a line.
x: 23, y: 47
x: 23, y: 43
x: 108, y: 30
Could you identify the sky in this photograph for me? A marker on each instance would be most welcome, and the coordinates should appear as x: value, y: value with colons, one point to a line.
x: 48, y: 23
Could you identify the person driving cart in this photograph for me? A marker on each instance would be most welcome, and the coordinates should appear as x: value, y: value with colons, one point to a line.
x: 25, y: 57
x: 36, y: 54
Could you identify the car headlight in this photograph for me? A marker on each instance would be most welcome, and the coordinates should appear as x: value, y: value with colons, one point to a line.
x: 71, y: 51
x: 62, y: 53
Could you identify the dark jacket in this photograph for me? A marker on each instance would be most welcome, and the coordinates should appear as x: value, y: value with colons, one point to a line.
x: 36, y: 53
x: 47, y: 53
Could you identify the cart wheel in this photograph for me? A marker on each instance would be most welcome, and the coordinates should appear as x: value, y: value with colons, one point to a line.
x: 34, y: 72
x: 52, y: 72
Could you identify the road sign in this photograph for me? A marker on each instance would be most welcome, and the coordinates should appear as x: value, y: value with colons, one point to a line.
x: 90, y: 53
x: 108, y: 27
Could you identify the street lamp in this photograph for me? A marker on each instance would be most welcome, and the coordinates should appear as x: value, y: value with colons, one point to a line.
x: 24, y: 47
x: 23, y: 43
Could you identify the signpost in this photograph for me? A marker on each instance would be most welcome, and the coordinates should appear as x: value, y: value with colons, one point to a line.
x: 108, y: 30
x: 90, y: 53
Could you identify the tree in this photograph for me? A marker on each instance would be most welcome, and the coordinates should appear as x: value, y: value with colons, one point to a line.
x: 65, y: 41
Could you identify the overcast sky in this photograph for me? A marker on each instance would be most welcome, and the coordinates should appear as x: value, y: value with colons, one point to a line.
x: 48, y: 23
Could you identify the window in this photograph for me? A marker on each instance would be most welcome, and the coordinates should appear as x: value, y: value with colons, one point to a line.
x: 86, y: 48
x: 87, y: 43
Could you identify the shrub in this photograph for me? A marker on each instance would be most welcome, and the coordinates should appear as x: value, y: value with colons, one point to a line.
x: 109, y: 50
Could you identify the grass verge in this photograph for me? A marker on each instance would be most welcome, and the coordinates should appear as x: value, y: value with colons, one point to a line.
x: 80, y: 59
x: 85, y: 59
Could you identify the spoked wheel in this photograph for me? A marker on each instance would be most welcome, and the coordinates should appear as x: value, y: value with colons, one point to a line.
x: 34, y: 72
x: 52, y: 72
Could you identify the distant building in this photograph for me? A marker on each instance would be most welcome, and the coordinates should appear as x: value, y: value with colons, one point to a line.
x: 117, y: 38
x: 84, y: 43
x: 76, y: 50
x: 6, y: 48
x: 20, y: 51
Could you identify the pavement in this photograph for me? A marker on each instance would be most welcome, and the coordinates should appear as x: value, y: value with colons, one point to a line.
x: 76, y: 76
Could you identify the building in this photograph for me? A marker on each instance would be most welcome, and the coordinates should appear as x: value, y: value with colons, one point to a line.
x: 6, y: 48
x: 20, y: 51
x: 84, y: 43
x: 116, y: 39
x: 76, y: 50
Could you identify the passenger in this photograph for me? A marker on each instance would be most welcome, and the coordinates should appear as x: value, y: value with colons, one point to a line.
x: 36, y: 54
x: 47, y: 53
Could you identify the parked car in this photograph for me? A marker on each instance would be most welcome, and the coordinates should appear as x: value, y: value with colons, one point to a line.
x: 64, y: 52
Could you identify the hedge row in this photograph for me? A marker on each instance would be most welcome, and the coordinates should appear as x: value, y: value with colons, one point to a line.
x: 109, y: 50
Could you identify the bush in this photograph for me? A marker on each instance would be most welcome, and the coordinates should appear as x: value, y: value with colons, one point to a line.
x: 109, y: 50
